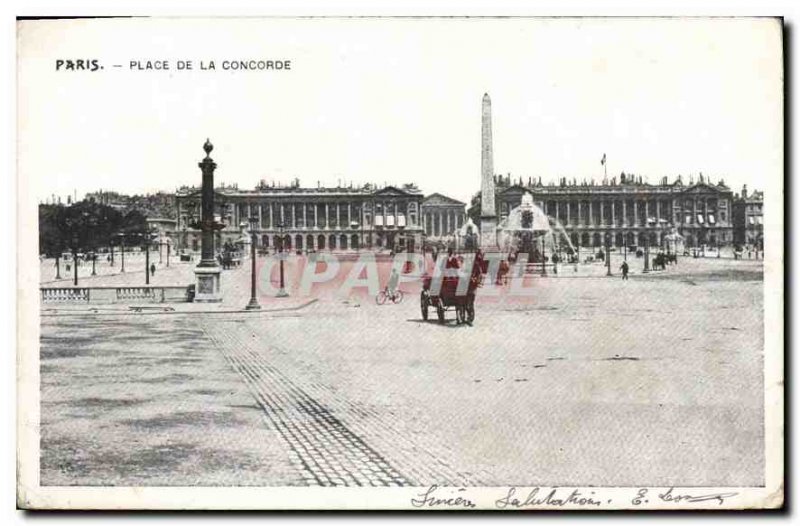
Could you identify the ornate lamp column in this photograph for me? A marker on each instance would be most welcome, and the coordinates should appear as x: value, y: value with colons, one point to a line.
x: 207, y: 272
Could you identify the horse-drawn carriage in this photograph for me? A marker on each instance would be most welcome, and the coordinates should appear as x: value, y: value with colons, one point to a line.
x: 450, y: 296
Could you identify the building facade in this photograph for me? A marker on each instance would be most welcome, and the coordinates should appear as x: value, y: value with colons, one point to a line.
x: 310, y: 219
x: 630, y: 211
x: 748, y: 214
x: 442, y: 216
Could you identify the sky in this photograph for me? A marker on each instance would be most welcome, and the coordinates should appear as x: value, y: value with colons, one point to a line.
x: 391, y: 101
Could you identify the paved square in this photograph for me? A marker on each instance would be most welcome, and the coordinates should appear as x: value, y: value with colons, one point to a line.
x: 591, y: 381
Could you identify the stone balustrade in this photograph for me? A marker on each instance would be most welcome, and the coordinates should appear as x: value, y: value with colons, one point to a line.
x: 110, y: 294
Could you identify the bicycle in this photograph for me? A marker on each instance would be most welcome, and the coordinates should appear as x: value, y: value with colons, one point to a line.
x: 384, y: 295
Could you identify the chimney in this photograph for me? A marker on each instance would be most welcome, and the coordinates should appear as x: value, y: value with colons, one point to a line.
x: 744, y: 191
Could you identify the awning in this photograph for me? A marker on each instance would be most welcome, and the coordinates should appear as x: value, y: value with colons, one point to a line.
x: 760, y: 220
x: 378, y: 220
x: 752, y: 220
x: 389, y: 220
x: 688, y: 219
x: 700, y: 219
x: 711, y: 219
x: 401, y: 220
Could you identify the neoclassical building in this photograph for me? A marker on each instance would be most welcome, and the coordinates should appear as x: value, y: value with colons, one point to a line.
x: 441, y: 216
x: 629, y: 211
x: 748, y: 217
x: 298, y: 218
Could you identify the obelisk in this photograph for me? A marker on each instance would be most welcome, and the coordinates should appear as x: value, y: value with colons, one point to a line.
x: 488, y: 212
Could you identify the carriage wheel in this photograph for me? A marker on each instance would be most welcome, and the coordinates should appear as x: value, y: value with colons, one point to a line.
x: 440, y: 311
x: 398, y: 296
x: 471, y: 310
x: 423, y: 304
x: 380, y: 299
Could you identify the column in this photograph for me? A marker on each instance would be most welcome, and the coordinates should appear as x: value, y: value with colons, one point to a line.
x: 305, y: 215
x: 602, y: 212
x: 625, y: 212
x: 338, y: 215
x: 674, y: 215
x: 283, y: 215
x: 327, y: 216
x: 646, y: 211
x: 569, y: 218
x: 635, y: 213
x: 260, y: 217
x: 447, y: 223
x: 349, y: 214
x: 557, y: 207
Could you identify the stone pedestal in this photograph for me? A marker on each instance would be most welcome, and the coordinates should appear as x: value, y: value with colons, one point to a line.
x: 207, y: 285
x: 489, y: 234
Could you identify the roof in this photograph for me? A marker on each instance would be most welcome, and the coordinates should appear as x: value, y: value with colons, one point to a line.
x: 634, y: 189
x: 224, y: 192
x: 440, y: 199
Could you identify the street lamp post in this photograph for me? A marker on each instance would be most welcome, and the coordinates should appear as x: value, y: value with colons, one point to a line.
x: 354, y: 225
x: 169, y: 248
x: 625, y: 247
x: 94, y: 260
x: 253, y: 304
x: 146, y: 259
x: 282, y: 291
x: 111, y: 246
x: 608, y: 254
x: 122, y: 251
x: 75, y: 259
x: 544, y: 259
x: 647, y: 247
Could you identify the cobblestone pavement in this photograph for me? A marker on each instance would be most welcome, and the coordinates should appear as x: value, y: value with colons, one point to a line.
x: 134, y: 400
x: 328, y: 450
x: 654, y: 381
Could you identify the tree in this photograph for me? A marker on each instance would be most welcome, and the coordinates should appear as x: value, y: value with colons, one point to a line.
x: 51, y: 236
x: 474, y: 210
x: 84, y: 226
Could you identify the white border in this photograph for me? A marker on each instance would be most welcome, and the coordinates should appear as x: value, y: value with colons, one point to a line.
x: 774, y: 285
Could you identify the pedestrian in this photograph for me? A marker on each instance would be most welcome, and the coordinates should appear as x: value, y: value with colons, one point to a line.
x: 394, y: 280
x: 452, y: 260
x: 152, y: 269
x: 624, y: 268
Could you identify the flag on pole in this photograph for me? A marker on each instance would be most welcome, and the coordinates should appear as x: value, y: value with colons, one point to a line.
x: 603, y: 160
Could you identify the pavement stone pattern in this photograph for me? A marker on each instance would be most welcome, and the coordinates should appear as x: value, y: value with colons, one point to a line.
x: 328, y: 450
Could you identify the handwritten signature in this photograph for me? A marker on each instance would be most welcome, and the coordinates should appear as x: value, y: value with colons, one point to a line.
x: 431, y: 499
x: 553, y: 498
x: 671, y: 496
